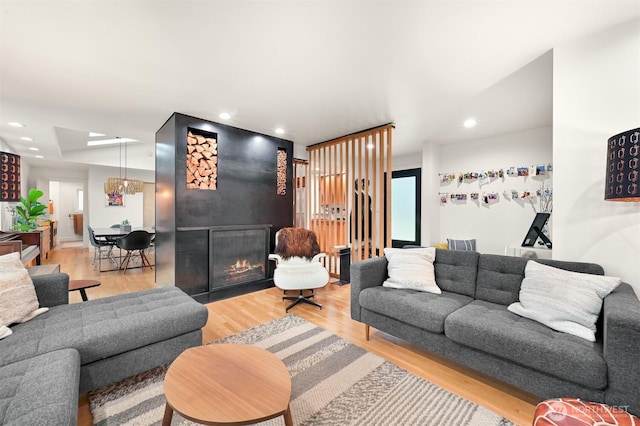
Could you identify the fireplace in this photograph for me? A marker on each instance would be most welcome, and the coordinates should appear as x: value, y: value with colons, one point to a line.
x: 217, y: 262
x: 238, y: 255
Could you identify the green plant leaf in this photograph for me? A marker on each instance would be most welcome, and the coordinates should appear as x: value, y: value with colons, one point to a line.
x: 21, y: 212
x: 29, y: 211
x: 37, y: 209
x: 34, y: 194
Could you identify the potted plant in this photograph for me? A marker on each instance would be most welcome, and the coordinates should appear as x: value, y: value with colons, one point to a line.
x: 125, y: 226
x: 29, y: 211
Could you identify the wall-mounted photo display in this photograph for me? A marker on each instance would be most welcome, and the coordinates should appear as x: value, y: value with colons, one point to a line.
x: 10, y: 182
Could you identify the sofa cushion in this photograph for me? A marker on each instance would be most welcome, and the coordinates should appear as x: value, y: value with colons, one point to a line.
x: 417, y: 308
x: 563, y: 300
x: 500, y: 277
x: 411, y: 269
x: 18, y: 300
x: 491, y: 328
x: 456, y: 271
x: 42, y: 390
x: 105, y: 327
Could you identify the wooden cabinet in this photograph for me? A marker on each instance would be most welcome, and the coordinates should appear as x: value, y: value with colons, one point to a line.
x: 333, y: 189
x: 35, y: 244
x: 54, y: 233
x: 45, y: 241
x: 331, y: 234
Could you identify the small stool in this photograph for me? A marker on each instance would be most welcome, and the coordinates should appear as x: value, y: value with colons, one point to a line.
x: 575, y: 412
x: 82, y: 285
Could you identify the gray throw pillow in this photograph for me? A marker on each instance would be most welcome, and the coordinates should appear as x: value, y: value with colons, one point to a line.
x: 466, y: 245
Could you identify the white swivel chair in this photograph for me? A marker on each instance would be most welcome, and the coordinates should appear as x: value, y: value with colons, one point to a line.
x: 298, y: 264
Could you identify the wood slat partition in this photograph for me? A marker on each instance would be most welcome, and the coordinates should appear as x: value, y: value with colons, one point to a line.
x: 348, y: 195
x: 300, y: 174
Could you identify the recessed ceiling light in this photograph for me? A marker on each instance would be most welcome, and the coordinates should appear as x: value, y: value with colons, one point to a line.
x: 225, y: 115
x: 110, y: 141
x: 370, y: 145
x: 95, y: 134
x: 33, y: 148
x: 39, y: 156
x: 279, y: 130
x: 15, y: 124
x: 471, y: 122
x: 27, y: 138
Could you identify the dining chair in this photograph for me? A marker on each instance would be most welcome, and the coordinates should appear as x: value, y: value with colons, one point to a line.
x: 99, y: 244
x: 134, y: 241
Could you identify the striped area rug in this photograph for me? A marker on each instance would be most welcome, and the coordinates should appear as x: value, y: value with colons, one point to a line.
x: 333, y: 383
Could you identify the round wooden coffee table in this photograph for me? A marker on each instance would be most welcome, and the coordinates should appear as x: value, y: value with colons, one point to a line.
x: 227, y: 384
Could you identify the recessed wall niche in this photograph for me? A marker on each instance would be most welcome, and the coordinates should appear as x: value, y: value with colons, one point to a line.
x: 202, y: 160
x: 281, y: 175
x: 250, y: 176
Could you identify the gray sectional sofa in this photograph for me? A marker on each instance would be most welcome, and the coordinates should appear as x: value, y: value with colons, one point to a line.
x: 76, y: 348
x: 469, y: 323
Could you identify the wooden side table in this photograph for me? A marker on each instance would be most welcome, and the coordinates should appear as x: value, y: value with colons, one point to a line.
x: 227, y: 384
x: 82, y: 285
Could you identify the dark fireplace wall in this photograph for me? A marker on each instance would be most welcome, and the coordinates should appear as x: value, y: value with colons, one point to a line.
x: 246, y: 194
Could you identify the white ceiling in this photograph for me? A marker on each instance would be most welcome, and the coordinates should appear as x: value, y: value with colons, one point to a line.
x: 319, y: 69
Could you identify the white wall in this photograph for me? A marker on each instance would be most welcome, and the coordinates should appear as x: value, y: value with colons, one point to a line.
x: 405, y: 162
x: 596, y: 95
x: 496, y: 224
x: 101, y: 216
x: 300, y: 152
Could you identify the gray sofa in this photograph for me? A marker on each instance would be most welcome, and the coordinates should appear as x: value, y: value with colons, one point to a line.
x: 469, y: 323
x: 76, y: 348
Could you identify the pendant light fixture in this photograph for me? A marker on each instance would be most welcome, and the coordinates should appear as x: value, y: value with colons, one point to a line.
x: 123, y: 185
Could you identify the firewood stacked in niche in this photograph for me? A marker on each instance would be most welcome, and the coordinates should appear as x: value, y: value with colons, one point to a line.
x: 281, y: 180
x: 202, y: 162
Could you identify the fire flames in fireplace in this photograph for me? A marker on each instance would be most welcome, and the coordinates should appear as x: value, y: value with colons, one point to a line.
x: 243, y: 270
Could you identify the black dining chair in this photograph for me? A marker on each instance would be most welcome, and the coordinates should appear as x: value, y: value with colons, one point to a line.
x: 134, y: 240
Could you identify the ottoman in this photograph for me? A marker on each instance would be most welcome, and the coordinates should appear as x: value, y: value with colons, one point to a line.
x: 575, y: 412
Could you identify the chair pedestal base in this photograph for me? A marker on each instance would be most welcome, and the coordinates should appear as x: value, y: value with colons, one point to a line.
x: 301, y: 298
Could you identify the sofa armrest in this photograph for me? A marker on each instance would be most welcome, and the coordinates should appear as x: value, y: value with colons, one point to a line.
x: 365, y: 274
x: 622, y: 347
x: 52, y: 289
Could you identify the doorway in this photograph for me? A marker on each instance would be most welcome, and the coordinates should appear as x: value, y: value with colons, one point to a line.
x: 405, y: 207
x: 66, y: 207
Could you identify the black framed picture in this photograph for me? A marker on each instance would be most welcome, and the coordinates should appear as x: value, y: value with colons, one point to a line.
x: 10, y: 182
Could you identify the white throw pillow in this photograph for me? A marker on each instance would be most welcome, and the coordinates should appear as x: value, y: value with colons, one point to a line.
x: 5, y: 331
x: 18, y: 300
x: 411, y: 269
x: 563, y: 300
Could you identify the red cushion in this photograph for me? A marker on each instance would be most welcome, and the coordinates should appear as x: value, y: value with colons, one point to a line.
x: 575, y: 412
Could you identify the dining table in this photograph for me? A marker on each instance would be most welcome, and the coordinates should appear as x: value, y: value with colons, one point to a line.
x: 114, y: 234
x: 118, y: 232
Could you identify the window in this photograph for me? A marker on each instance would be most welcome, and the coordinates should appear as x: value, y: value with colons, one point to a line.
x: 405, y: 207
x: 80, y: 199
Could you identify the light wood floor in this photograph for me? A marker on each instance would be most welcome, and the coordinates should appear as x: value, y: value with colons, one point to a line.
x: 232, y: 315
